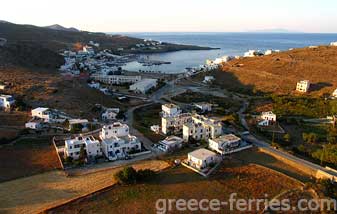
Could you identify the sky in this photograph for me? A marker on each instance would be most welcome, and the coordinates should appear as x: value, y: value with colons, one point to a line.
x: 317, y: 16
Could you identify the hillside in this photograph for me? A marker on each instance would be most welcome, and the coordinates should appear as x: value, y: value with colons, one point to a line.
x: 27, y: 54
x: 59, y: 27
x: 56, y: 39
x: 279, y: 72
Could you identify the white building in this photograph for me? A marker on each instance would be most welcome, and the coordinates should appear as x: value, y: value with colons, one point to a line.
x: 35, y: 124
x: 334, y: 94
x: 333, y: 44
x: 303, y: 86
x: 6, y: 101
x: 270, y: 116
x: 202, y: 158
x: 43, y: 113
x: 144, y: 85
x: 269, y: 52
x: 203, y: 106
x: 88, y: 49
x: 116, y: 79
x: 201, y: 128
x: 208, y: 79
x: 172, y: 118
x: 117, y: 143
x: 252, y: 53
x: 155, y: 128
x: 225, y: 144
x: 75, y: 122
x: 3, y: 86
x: 223, y: 59
x: 170, y: 143
x: 91, y: 146
x: 110, y: 114
x: 170, y: 110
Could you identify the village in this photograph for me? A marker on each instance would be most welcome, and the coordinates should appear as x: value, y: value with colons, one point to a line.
x: 108, y: 138
x: 183, y: 119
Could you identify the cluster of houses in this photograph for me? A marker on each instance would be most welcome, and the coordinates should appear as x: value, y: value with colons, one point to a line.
x: 194, y: 128
x: 114, y: 142
x: 91, y: 61
x: 42, y: 117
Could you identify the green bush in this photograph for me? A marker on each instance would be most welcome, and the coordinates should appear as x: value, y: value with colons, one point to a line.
x: 130, y: 176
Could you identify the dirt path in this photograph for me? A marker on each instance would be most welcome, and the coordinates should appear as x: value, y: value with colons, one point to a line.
x: 36, y: 193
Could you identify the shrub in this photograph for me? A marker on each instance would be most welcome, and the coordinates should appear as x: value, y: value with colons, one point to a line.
x: 130, y: 176
x: 126, y: 176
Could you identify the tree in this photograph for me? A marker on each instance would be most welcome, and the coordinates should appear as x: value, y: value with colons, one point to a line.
x: 83, y: 155
x: 287, y: 138
x: 126, y: 176
x: 130, y: 176
x: 309, y: 137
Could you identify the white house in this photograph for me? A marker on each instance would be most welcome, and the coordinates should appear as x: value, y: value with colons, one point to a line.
x: 172, y: 118
x: 203, y: 106
x: 170, y: 143
x: 3, y: 86
x: 208, y: 79
x: 175, y: 123
x: 74, y: 122
x: 43, y: 113
x: 252, y: 53
x: 303, y: 86
x: 116, y: 129
x: 202, y: 158
x: 91, y: 146
x: 110, y: 114
x: 269, y: 52
x: 94, y: 85
x: 117, y: 143
x: 35, y: 124
x: 201, y: 128
x: 270, y: 116
x: 155, y: 128
x: 223, y: 59
x: 6, y: 101
x: 334, y: 94
x: 170, y: 110
x: 225, y: 144
x: 144, y: 85
x: 88, y: 49
x: 333, y: 44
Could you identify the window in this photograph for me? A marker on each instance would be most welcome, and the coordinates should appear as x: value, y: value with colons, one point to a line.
x: 70, y: 147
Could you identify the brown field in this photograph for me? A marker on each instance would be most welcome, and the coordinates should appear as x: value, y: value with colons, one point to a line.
x: 27, y: 157
x: 238, y: 174
x: 49, y: 88
x: 249, y: 181
x: 11, y: 124
x: 36, y: 193
x: 279, y: 73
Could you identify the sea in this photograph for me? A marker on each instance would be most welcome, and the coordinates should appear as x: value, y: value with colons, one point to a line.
x: 229, y: 43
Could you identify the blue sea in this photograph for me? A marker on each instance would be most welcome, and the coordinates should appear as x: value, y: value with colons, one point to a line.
x: 229, y: 44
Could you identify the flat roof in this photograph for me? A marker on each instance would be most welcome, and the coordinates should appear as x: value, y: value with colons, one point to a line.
x: 171, y: 140
x: 145, y: 82
x: 202, y: 154
x: 227, y: 138
x: 40, y: 109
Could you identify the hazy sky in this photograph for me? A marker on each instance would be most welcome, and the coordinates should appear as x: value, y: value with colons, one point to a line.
x: 175, y: 15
